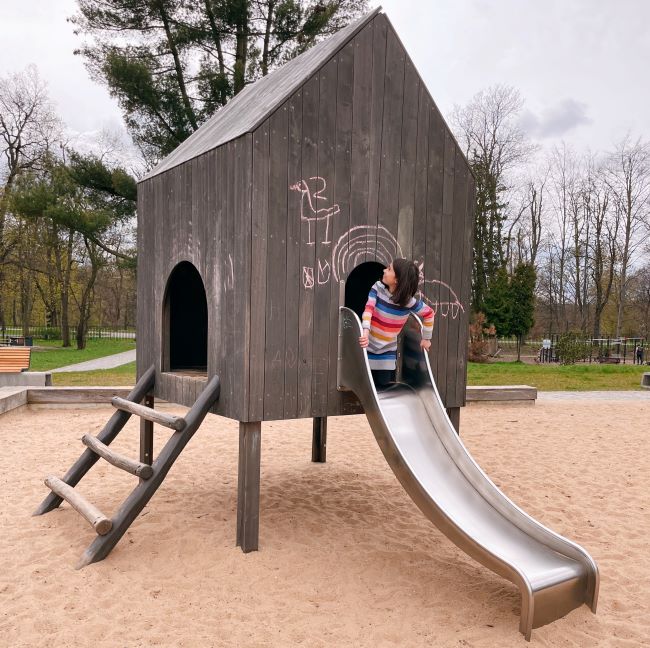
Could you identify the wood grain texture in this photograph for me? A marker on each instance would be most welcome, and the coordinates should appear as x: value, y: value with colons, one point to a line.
x: 364, y: 122
x: 127, y: 464
x: 248, y: 486
x: 276, y: 265
x: 88, y: 511
x: 167, y: 420
x: 328, y: 79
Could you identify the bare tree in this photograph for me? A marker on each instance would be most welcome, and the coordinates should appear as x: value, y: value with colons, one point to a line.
x: 28, y: 126
x: 563, y: 178
x: 488, y: 129
x: 604, y: 225
x: 628, y: 177
x: 524, y: 236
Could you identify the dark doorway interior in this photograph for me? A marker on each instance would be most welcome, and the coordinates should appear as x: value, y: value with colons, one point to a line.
x: 186, y: 316
x: 359, y: 283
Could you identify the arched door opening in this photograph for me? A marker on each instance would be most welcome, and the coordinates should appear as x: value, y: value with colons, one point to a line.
x: 359, y: 283
x: 185, y: 322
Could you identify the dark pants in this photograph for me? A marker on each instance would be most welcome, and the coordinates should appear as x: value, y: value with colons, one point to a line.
x: 383, y: 377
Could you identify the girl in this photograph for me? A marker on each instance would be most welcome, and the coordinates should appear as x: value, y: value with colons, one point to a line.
x: 389, y: 303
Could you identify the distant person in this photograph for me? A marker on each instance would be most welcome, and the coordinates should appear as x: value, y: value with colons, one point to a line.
x: 639, y: 354
x: 389, y: 304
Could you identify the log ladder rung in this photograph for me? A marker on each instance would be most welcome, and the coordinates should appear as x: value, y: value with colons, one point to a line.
x: 91, y: 513
x: 168, y: 420
x: 119, y: 461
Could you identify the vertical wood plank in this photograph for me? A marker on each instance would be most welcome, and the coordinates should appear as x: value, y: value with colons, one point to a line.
x: 231, y: 323
x: 468, y: 238
x: 435, y: 176
x: 276, y: 265
x: 377, y: 118
x: 406, y: 204
x: 222, y: 273
x: 294, y: 285
x: 456, y: 336
x: 445, y: 264
x: 342, y: 197
x: 248, y: 486
x: 310, y: 101
x: 242, y: 291
x: 259, y: 269
x: 323, y: 235
x: 420, y: 190
x: 391, y: 137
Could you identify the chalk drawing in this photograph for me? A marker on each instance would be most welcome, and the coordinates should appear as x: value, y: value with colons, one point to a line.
x: 310, y: 210
x: 377, y: 243
x: 324, y: 272
x: 447, y: 301
x: 307, y: 277
x: 230, y: 281
x: 361, y: 241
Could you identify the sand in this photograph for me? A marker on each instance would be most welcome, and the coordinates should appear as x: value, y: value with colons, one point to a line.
x: 346, y: 559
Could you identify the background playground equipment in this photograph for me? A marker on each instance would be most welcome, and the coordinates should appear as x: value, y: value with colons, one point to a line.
x: 607, y: 350
x: 254, y: 236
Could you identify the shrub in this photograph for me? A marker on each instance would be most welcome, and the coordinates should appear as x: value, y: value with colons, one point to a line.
x: 477, y: 343
x: 570, y: 348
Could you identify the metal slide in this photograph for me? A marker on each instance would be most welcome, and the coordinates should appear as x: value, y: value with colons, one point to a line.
x: 410, y: 423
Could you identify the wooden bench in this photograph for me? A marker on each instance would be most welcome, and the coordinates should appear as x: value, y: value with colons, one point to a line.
x: 14, y: 359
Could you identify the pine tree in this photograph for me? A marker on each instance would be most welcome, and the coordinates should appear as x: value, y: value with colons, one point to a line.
x: 171, y: 64
x: 522, y: 298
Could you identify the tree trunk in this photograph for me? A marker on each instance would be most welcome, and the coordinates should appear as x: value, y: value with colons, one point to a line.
x: 86, y: 302
x: 241, y: 49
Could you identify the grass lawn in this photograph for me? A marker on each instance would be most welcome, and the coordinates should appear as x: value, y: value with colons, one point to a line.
x: 53, y: 355
x: 545, y: 377
x: 551, y: 377
x: 116, y: 377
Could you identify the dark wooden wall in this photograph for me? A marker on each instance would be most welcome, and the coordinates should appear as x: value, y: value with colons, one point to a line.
x: 200, y: 212
x: 367, y: 125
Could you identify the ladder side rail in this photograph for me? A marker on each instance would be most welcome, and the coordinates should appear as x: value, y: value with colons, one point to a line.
x: 88, y: 458
x: 144, y: 491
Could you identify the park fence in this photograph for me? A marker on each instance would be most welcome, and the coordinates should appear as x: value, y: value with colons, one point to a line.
x: 605, y: 350
x: 11, y: 334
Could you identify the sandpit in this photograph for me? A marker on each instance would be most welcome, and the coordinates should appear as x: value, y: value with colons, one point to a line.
x: 346, y: 559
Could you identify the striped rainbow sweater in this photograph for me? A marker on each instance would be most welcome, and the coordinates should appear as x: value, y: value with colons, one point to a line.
x: 385, y: 320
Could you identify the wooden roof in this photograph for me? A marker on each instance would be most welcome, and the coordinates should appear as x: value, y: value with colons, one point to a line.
x: 247, y: 110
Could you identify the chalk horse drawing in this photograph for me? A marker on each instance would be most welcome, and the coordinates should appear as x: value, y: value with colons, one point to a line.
x: 311, y: 211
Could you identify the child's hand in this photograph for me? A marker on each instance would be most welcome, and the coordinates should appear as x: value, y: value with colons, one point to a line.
x: 425, y: 345
x: 363, y: 340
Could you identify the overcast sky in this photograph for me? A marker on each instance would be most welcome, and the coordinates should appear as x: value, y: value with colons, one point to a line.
x: 580, y: 65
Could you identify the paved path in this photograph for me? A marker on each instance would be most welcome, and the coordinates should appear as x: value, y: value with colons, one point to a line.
x: 107, y: 362
x: 593, y: 395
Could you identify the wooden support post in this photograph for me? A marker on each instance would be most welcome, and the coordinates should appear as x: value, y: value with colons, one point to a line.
x: 248, y: 486
x: 454, y: 416
x: 146, y: 434
x: 319, y: 440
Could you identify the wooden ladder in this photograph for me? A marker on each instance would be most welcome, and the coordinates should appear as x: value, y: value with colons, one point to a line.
x: 151, y: 473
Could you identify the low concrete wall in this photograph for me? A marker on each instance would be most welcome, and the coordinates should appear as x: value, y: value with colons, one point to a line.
x: 26, y: 379
x: 501, y: 394
x: 11, y: 398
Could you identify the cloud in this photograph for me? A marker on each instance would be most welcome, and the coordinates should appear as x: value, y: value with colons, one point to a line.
x: 556, y: 120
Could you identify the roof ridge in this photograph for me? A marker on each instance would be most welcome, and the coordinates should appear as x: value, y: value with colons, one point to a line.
x: 248, y: 109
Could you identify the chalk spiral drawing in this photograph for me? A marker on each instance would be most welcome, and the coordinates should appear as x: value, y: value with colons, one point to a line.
x: 355, y: 245
x: 311, y: 191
